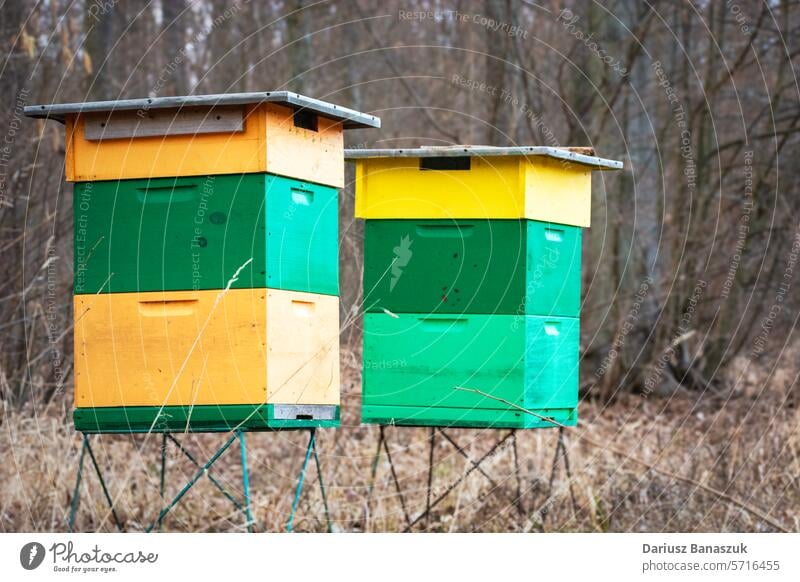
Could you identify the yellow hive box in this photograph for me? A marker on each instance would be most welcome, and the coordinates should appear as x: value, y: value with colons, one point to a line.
x: 192, y: 348
x: 276, y: 132
x: 476, y: 182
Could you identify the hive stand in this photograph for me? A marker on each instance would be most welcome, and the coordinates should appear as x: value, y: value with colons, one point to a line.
x: 243, y: 506
x: 560, y: 455
x: 430, y: 501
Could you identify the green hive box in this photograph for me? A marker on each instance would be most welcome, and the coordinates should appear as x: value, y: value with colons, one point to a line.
x: 193, y: 233
x: 472, y: 266
x: 414, y: 362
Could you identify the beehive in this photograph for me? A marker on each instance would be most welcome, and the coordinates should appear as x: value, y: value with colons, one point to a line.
x: 472, y: 262
x: 206, y: 260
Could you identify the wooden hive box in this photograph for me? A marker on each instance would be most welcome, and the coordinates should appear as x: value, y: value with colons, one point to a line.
x: 472, y: 266
x: 193, y: 233
x: 276, y: 132
x: 538, y: 183
x: 415, y: 363
x: 206, y: 360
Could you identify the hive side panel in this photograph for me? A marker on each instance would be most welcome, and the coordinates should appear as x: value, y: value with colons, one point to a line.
x: 304, y: 154
x: 553, y: 265
x: 302, y: 348
x: 557, y: 191
x: 69, y: 154
x: 302, y: 236
x: 551, y: 367
x: 360, y: 189
x: 179, y: 348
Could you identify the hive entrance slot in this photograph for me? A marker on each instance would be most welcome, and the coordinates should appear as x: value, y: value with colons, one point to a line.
x: 304, y: 417
x: 449, y: 163
x: 305, y: 120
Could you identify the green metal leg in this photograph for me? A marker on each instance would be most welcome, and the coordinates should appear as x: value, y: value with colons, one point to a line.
x: 73, y: 509
x: 245, y: 482
x: 322, y: 489
x: 228, y: 495
x: 163, y: 464
x: 430, y: 478
x: 300, y: 479
x: 203, y: 470
x: 373, y: 474
x: 163, y: 470
x: 455, y: 483
x: 102, y: 483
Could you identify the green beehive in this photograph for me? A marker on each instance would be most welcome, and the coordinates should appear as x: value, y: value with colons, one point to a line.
x: 472, y: 271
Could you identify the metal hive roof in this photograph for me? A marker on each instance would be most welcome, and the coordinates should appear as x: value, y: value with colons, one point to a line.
x: 351, y: 119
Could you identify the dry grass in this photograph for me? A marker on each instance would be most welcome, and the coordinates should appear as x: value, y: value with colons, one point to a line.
x: 744, y: 443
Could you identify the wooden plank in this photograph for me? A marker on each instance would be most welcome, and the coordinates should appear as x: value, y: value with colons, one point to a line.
x: 192, y: 121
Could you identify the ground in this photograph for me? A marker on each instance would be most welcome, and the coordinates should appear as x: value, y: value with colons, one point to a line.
x: 724, y: 462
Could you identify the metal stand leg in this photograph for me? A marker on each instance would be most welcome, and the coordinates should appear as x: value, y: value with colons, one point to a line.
x: 322, y: 490
x: 228, y: 495
x: 87, y: 448
x: 102, y: 483
x: 396, y: 481
x: 203, y: 470
x: 383, y: 442
x: 520, y: 502
x: 163, y: 464
x: 73, y: 509
x: 561, y: 448
x: 430, y: 478
x: 464, y: 454
x: 311, y: 449
x: 300, y: 479
x: 245, y: 482
x: 446, y: 492
x: 373, y: 473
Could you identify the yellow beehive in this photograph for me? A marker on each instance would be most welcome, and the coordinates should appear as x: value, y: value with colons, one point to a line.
x: 276, y: 132
x: 479, y: 182
x: 193, y: 348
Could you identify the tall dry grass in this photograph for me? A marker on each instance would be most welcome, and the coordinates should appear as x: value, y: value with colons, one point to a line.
x: 743, y: 443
